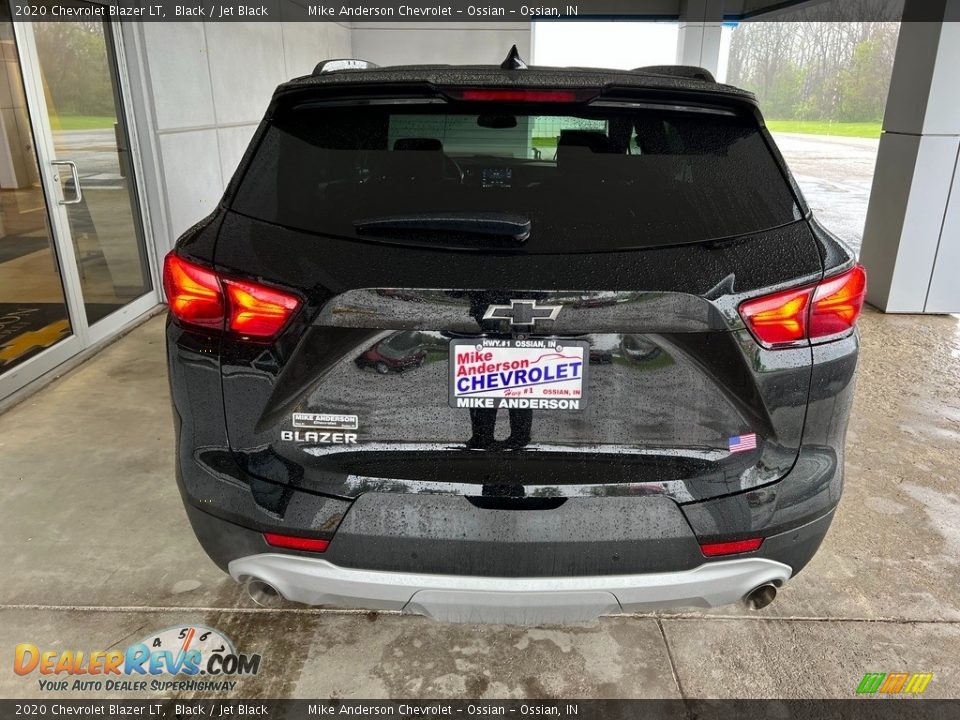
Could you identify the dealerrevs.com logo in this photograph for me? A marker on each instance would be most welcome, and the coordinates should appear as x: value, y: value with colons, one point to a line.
x: 151, y: 664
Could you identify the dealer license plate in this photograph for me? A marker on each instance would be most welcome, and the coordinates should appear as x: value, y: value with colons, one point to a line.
x: 535, y: 374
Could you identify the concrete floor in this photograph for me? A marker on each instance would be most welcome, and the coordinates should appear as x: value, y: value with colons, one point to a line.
x: 98, y: 554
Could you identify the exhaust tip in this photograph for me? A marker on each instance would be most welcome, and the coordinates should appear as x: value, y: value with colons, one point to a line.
x: 760, y: 597
x: 263, y: 593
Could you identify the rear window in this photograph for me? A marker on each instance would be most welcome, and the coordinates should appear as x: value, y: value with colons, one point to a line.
x: 585, y: 179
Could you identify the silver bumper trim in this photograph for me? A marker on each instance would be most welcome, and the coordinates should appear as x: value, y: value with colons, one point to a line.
x: 534, y: 600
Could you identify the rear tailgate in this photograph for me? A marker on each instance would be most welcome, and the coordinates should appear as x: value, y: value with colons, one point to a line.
x: 417, y: 234
x: 357, y: 395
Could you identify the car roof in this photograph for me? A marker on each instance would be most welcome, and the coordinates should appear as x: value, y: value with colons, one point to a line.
x: 657, y: 78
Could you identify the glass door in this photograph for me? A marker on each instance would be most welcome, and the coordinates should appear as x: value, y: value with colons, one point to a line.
x: 74, y: 268
x: 89, y: 151
x: 35, y: 320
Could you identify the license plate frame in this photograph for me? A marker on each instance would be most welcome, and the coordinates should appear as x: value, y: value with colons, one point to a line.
x: 552, y: 390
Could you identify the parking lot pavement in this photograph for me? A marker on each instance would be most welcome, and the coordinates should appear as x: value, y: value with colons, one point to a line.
x: 835, y: 175
x: 97, y: 553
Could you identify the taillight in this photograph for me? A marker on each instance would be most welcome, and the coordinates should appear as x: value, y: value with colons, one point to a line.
x: 518, y: 95
x: 731, y: 548
x: 778, y: 319
x: 293, y: 542
x: 193, y: 293
x: 837, y: 303
x: 200, y: 297
x: 256, y: 310
x: 815, y: 313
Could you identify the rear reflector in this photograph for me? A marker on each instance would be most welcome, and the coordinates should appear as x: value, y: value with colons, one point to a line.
x: 508, y: 95
x: 296, y: 543
x: 730, y: 548
x: 815, y: 313
x: 200, y: 297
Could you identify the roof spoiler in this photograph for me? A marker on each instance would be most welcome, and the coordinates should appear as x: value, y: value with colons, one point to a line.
x: 328, y: 66
x: 691, y: 72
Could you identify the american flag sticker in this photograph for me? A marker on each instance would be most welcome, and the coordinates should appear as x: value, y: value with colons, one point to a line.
x: 742, y: 443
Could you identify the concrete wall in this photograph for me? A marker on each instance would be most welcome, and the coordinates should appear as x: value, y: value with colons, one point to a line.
x: 437, y: 42
x: 911, y: 241
x: 202, y: 88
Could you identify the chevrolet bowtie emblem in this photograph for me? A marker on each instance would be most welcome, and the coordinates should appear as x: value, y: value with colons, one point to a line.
x: 522, y: 312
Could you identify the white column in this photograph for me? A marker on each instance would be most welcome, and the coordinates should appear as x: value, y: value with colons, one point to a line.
x: 701, y: 25
x: 911, y: 241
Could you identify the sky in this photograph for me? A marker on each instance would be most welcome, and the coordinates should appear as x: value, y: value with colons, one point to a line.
x: 623, y: 45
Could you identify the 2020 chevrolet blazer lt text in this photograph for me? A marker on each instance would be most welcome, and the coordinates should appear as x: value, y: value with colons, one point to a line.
x: 511, y: 344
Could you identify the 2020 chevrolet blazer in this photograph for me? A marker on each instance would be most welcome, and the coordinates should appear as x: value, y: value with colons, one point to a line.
x: 511, y: 344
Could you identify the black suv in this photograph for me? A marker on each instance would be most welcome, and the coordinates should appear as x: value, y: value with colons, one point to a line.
x: 616, y: 352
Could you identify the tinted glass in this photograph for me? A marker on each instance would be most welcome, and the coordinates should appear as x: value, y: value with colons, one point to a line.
x: 590, y: 180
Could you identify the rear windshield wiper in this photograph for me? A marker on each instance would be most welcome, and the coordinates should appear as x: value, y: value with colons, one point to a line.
x: 505, y: 226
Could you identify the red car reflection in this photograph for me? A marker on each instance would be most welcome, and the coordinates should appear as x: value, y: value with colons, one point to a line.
x: 394, y: 353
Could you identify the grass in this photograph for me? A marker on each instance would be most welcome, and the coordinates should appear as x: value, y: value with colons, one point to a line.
x: 82, y: 122
x: 825, y: 127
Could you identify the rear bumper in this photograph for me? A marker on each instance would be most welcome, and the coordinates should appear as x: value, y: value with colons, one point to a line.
x: 535, y: 600
x: 439, y: 535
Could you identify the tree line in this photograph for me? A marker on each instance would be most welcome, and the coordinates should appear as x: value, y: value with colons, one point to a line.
x: 75, y: 67
x: 837, y: 71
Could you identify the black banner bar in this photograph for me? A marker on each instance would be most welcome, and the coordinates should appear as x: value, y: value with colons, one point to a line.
x: 459, y: 11
x: 855, y: 709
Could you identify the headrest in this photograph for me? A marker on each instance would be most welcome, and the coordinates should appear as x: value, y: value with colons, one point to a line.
x: 595, y: 140
x: 576, y: 148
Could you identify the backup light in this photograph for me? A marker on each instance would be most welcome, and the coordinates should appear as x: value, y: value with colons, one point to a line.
x: 731, y: 548
x: 292, y: 542
x: 815, y: 313
x: 200, y: 297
